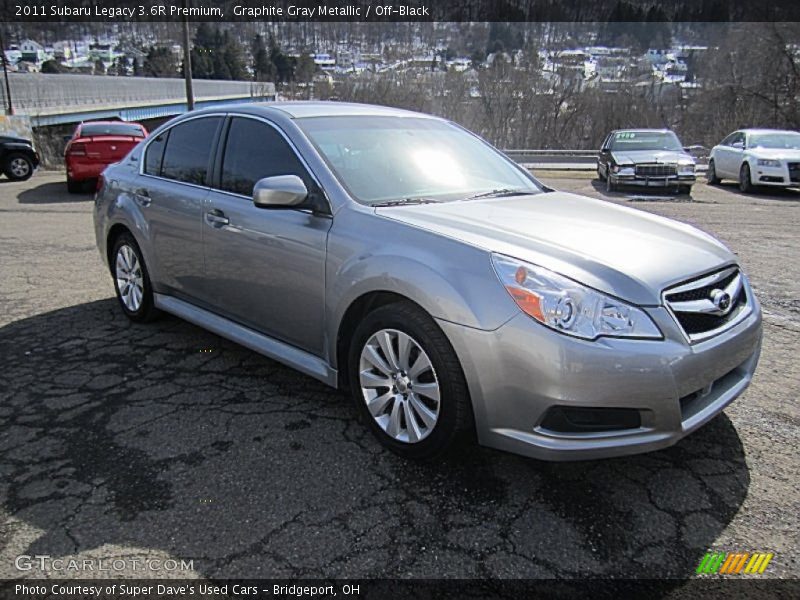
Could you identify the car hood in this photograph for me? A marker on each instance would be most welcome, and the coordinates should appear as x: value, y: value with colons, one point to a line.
x: 13, y: 140
x: 775, y: 153
x: 649, y: 156
x: 622, y: 251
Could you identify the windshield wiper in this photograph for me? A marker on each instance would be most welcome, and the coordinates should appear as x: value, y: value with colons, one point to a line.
x: 406, y: 202
x: 502, y: 193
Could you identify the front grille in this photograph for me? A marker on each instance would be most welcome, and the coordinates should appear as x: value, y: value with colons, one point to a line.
x: 656, y: 170
x: 794, y: 172
x: 709, y: 304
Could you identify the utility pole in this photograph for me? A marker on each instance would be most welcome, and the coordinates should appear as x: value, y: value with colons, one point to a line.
x: 9, y: 105
x: 187, y: 60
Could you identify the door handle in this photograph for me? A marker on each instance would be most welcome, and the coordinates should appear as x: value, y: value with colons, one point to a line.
x: 216, y: 218
x: 142, y: 196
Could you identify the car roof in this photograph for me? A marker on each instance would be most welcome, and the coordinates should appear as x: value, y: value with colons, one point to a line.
x: 305, y: 109
x: 643, y: 130
x: 82, y: 123
x: 765, y: 130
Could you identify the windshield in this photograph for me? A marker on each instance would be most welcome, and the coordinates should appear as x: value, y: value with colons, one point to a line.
x: 386, y: 159
x: 91, y: 129
x: 789, y: 140
x: 644, y: 140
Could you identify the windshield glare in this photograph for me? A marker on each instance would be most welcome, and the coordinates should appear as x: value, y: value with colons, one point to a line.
x: 645, y: 140
x: 385, y: 159
x: 787, y: 141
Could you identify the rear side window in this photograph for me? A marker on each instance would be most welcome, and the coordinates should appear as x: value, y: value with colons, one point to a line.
x: 154, y: 154
x: 188, y: 150
x: 255, y: 150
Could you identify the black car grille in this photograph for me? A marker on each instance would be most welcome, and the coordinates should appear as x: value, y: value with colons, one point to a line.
x: 690, y: 303
x: 794, y: 172
x: 701, y: 292
x: 656, y: 170
x: 695, y: 323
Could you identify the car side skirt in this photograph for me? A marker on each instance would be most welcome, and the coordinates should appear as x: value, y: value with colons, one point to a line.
x: 290, y: 356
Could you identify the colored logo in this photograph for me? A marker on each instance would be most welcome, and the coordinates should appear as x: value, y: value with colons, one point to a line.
x: 734, y: 563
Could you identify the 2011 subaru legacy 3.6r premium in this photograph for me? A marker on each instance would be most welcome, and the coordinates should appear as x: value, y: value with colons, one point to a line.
x: 402, y: 258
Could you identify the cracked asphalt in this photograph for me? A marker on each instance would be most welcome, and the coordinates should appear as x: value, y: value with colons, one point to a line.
x: 164, y: 441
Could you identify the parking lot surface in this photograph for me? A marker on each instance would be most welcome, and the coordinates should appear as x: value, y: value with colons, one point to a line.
x: 164, y: 442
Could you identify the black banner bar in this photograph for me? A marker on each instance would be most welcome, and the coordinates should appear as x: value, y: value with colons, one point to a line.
x: 401, y: 10
x: 399, y: 589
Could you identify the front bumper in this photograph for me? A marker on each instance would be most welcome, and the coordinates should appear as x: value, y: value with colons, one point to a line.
x: 775, y: 176
x: 520, y: 371
x: 84, y: 170
x: 666, y: 181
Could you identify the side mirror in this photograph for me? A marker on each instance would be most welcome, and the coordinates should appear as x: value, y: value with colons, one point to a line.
x: 280, y: 191
x: 738, y: 145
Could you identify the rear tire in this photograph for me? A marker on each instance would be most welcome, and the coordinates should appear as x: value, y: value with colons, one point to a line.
x: 18, y: 167
x: 745, y: 180
x: 132, y: 280
x: 711, y: 174
x: 412, y: 353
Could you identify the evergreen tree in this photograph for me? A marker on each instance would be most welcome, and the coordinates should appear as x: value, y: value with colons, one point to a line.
x: 160, y: 62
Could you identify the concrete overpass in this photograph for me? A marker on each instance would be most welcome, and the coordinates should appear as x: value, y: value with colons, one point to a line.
x: 55, y: 99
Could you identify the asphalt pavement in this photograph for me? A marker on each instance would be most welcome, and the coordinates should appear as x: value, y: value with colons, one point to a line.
x: 164, y: 445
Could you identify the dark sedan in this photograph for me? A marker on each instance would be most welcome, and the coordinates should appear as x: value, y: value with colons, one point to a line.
x: 647, y: 158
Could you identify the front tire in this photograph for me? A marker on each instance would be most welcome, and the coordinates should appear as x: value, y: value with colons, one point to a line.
x: 600, y: 175
x: 18, y: 167
x: 610, y: 185
x: 407, y: 382
x: 745, y: 180
x: 711, y: 174
x: 132, y: 280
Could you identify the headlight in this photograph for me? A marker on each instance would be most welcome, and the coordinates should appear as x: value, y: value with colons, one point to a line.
x: 569, y: 307
x: 686, y: 169
x: 627, y: 171
x: 768, y: 162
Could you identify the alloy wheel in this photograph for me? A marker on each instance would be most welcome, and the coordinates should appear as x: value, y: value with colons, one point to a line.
x: 399, y: 386
x: 128, y: 274
x: 19, y: 167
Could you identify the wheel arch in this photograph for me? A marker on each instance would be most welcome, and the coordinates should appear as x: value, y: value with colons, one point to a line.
x: 114, y: 232
x: 353, y: 315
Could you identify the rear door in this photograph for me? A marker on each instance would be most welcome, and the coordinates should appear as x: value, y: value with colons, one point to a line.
x: 265, y: 267
x: 173, y: 188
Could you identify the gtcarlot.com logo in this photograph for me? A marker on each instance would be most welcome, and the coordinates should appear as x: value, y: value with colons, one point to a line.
x: 734, y: 563
x: 45, y: 562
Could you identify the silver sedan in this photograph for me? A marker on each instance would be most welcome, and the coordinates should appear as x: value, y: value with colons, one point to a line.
x: 401, y: 258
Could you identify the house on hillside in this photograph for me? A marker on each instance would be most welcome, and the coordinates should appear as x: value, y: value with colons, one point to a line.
x: 32, y: 52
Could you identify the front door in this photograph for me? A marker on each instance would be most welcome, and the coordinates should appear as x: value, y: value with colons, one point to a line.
x: 729, y: 155
x: 265, y: 268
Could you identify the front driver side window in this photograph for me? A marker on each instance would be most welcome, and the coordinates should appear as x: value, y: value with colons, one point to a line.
x: 255, y: 150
